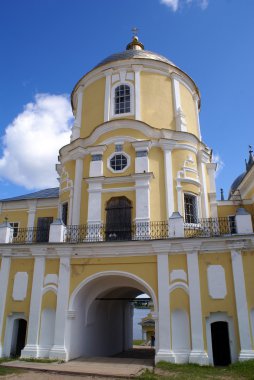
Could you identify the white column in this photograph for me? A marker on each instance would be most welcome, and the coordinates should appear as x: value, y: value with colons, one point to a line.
x: 198, y: 354
x: 196, y: 100
x: 202, y: 177
x: 108, y: 74
x: 169, y: 181
x: 179, y: 198
x: 211, y: 168
x: 77, y: 191
x: 31, y: 348
x: 137, y: 69
x: 78, y: 119
x: 164, y: 345
x: 31, y: 213
x: 4, y: 281
x: 141, y: 159
x: 179, y: 115
x: 59, y: 350
x: 246, y: 352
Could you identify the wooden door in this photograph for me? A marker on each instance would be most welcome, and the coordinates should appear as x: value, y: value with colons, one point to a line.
x: 43, y: 226
x: 118, y: 219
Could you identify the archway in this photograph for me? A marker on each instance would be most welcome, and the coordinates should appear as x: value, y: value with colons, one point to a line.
x: 102, y: 313
x: 18, y: 337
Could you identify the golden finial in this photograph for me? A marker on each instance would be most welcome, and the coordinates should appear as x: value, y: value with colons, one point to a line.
x: 135, y: 44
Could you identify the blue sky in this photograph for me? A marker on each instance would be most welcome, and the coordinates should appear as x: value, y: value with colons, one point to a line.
x: 47, y: 45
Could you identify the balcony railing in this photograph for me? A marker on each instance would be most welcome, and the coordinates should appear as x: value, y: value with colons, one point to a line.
x: 99, y: 232
x: 31, y: 235
x: 210, y: 227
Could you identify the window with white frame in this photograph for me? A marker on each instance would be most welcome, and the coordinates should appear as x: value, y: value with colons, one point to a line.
x: 15, y: 226
x: 122, y: 99
x: 118, y: 162
x: 190, y: 208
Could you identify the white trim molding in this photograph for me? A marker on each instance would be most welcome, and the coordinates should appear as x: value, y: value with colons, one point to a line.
x: 198, y: 354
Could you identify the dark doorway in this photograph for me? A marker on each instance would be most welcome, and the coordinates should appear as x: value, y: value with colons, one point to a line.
x: 118, y: 219
x: 220, y: 343
x: 18, y: 337
x: 43, y: 226
x: 65, y: 213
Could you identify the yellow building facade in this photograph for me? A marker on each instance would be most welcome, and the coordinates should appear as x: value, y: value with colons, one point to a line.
x: 135, y: 212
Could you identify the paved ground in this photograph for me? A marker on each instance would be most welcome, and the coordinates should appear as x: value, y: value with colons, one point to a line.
x: 31, y: 375
x: 125, y: 365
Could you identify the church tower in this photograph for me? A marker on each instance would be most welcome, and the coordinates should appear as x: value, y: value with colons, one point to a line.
x: 136, y: 144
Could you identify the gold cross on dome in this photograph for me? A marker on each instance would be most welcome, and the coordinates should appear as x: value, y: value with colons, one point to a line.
x: 134, y: 31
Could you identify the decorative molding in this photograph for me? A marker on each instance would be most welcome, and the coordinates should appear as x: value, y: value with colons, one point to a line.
x: 216, y: 281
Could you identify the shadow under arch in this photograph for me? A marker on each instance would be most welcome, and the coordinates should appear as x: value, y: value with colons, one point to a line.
x: 98, y: 328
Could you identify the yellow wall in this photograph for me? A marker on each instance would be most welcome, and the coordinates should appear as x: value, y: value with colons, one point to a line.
x: 143, y: 267
x: 157, y: 185
x: 93, y: 107
x: 18, y: 265
x: 20, y: 216
x: 210, y: 305
x: 156, y: 101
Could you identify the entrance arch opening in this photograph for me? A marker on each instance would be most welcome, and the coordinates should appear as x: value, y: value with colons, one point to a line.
x: 18, y: 337
x: 220, y: 343
x: 103, y: 322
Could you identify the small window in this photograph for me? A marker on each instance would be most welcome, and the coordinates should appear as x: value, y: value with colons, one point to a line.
x: 15, y: 226
x: 232, y: 224
x: 118, y: 162
x: 190, y: 208
x: 122, y: 99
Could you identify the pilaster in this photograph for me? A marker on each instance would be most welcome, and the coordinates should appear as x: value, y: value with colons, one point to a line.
x: 4, y: 281
x: 164, y: 351
x: 31, y: 348
x: 179, y: 115
x: 168, y: 173
x: 59, y: 350
x: 137, y: 69
x: 77, y: 191
x: 108, y: 74
x: 198, y: 354
x: 78, y: 119
x: 246, y: 352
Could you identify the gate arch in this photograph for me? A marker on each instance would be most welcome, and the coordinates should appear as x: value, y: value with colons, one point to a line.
x: 97, y: 328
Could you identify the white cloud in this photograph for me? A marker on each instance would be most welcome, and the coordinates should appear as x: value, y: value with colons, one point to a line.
x: 176, y: 4
x: 173, y: 4
x: 220, y: 164
x: 32, y: 141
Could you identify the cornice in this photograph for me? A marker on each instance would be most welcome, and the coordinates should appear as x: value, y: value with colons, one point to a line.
x: 218, y: 245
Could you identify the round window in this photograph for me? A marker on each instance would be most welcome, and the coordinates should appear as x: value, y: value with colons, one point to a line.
x: 118, y: 162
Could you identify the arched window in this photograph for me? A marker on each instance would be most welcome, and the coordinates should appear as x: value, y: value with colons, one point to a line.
x: 118, y: 219
x: 122, y: 99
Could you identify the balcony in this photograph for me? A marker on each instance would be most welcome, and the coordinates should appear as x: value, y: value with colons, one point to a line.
x: 138, y: 231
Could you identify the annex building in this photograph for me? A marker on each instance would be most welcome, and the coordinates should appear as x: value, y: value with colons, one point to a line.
x: 135, y: 212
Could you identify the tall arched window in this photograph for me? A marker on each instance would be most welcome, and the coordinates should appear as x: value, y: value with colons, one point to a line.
x: 118, y: 219
x: 122, y: 99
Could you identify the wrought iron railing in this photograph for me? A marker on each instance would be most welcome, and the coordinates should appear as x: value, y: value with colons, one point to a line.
x: 31, y: 235
x: 97, y: 232
x: 210, y: 227
x: 117, y: 232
